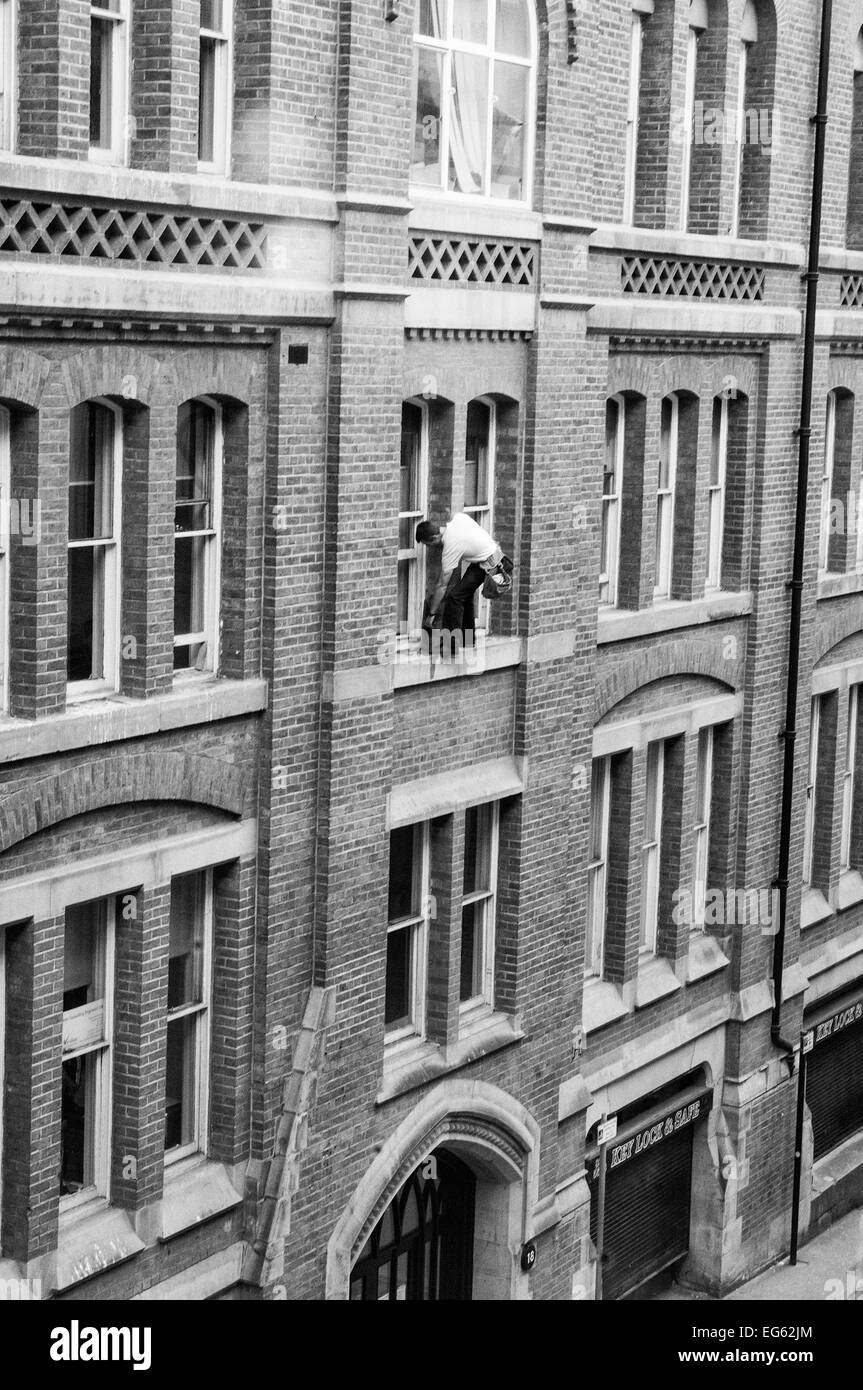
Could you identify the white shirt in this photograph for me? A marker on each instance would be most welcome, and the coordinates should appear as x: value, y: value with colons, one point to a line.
x: 463, y: 539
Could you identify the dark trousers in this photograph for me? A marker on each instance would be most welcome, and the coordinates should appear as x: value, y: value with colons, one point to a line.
x: 457, y: 610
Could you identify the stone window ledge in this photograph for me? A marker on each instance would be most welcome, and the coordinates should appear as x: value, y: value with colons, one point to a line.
x: 116, y: 717
x: 614, y: 237
x: 705, y: 957
x: 426, y: 1061
x: 622, y: 624
x: 839, y: 585
x: 491, y: 654
x: 655, y: 980
x: 814, y: 908
x: 850, y: 890
x: 93, y: 1239
x: 195, y: 1190
x: 603, y: 1004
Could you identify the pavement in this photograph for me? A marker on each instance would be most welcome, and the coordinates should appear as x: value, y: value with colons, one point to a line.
x: 829, y: 1268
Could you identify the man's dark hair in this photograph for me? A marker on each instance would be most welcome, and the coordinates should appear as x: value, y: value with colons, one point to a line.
x: 426, y: 531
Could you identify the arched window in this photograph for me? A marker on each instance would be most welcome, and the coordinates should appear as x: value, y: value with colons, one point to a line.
x: 197, y: 536
x: 93, y: 587
x: 756, y: 120
x: 413, y: 502
x: 854, y: 230
x: 475, y: 84
x: 612, y: 487
x: 837, y: 520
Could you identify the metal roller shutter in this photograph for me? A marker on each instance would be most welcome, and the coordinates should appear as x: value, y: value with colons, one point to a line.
x: 834, y: 1089
x: 647, y: 1204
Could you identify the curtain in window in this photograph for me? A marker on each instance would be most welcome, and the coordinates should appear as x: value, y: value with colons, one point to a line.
x: 468, y: 123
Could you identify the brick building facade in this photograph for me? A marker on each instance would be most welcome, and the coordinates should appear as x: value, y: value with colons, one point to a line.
x: 322, y: 959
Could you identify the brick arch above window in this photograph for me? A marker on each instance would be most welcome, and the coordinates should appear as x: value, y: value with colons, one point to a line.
x: 630, y: 375
x: 23, y: 375
x: 153, y: 776
x: 677, y: 660
x: 453, y: 385
x: 680, y: 374
x: 845, y: 374
x: 744, y: 371
x: 834, y: 644
x: 212, y: 372
x: 109, y: 370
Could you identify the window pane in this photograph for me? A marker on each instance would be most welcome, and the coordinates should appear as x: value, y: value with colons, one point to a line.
x: 101, y: 36
x: 85, y: 655
x: 512, y: 30
x: 426, y: 158
x: 477, y: 849
x: 431, y: 18
x: 196, y: 436
x: 404, y: 596
x: 211, y: 14
x: 470, y: 21
x: 83, y: 971
x: 189, y: 570
x: 77, y: 1120
x: 476, y: 455
x: 471, y: 952
x: 508, y: 131
x: 403, y: 878
x: 409, y: 473
x: 186, y: 948
x: 180, y: 1088
x: 397, y: 1012
x: 91, y: 469
x: 469, y: 124
x: 207, y: 100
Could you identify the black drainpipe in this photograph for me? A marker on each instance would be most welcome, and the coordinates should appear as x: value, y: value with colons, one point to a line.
x: 804, y: 434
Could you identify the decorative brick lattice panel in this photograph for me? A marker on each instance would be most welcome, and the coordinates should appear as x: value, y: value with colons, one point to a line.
x: 694, y: 279
x: 444, y: 260
x: 145, y: 236
x: 851, y: 292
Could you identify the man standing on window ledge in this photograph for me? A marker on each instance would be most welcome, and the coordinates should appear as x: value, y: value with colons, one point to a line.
x: 462, y: 541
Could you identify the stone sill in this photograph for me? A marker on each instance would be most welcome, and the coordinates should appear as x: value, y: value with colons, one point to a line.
x: 117, y: 183
x: 465, y: 215
x: 840, y: 258
x: 705, y: 957
x: 93, y: 1239
x: 691, y: 246
x: 407, y: 1069
x: 814, y: 908
x: 655, y: 980
x: 116, y: 717
x: 195, y: 1190
x: 491, y: 654
x: 838, y: 585
x: 678, y: 315
x: 622, y: 624
x: 200, y: 1281
x: 602, y: 1004
x: 838, y: 1164
x: 849, y: 891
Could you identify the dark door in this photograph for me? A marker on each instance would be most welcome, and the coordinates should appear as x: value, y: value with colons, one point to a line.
x: 834, y: 1089
x: 422, y: 1247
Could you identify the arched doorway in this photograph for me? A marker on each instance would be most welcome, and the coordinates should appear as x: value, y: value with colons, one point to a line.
x: 421, y: 1250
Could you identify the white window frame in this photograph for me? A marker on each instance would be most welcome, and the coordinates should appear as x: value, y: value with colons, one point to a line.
x: 651, y: 847
x: 636, y: 46
x: 202, y: 1013
x: 446, y: 47
x: 849, y: 779
x: 417, y: 925
x: 483, y: 513
x: 485, y: 929
x: 109, y: 683
x: 827, y: 485
x: 103, y: 1052
x: 223, y: 91
x: 8, y: 74
x: 5, y: 542
x: 811, y: 793
x: 212, y: 534
x: 716, y: 492
x: 611, y: 505
x: 703, y: 818
x: 117, y: 152
x: 415, y: 554
x: 665, y: 501
x: 694, y: 34
x: 597, y: 868
x: 749, y: 37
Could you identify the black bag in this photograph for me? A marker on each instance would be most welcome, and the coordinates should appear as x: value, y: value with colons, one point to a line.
x: 498, y: 582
